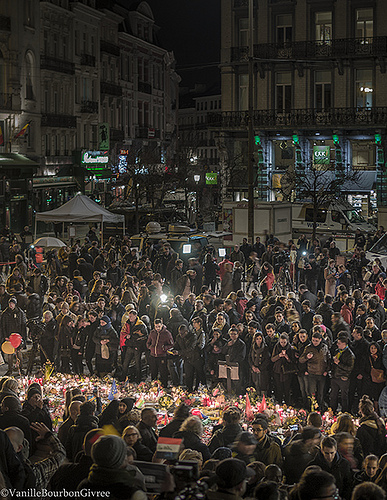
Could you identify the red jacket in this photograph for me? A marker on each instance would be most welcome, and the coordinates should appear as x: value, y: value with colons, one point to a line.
x: 159, y: 342
x: 346, y: 313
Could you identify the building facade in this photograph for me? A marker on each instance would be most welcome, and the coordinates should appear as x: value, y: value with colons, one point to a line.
x: 83, y: 77
x: 319, y: 73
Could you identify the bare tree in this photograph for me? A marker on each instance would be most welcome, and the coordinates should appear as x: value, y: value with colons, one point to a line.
x: 317, y: 184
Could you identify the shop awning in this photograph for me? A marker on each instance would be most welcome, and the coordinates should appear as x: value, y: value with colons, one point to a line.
x: 16, y: 160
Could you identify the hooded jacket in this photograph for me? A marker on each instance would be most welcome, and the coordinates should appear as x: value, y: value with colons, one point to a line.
x: 106, y: 332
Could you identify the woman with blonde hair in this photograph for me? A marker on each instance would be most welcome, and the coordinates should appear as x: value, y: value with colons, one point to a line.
x: 132, y: 437
x: 191, y: 431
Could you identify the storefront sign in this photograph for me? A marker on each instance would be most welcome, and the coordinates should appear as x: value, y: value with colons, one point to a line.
x: 95, y: 157
x: 321, y: 155
x: 211, y: 178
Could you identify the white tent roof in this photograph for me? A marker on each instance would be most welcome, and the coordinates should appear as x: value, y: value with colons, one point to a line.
x: 80, y: 209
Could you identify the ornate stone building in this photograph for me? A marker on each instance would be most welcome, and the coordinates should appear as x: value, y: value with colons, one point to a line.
x: 319, y: 72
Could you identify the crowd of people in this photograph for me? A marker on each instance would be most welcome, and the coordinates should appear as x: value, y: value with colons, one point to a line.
x: 98, y: 310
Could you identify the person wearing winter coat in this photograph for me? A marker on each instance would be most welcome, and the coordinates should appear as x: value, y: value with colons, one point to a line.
x: 116, y: 312
x: 360, y: 348
x: 181, y: 413
x: 300, y: 342
x: 117, y: 414
x: 14, y: 277
x: 77, y: 432
x: 106, y: 345
x: 226, y: 283
x: 39, y: 283
x: 343, y: 361
x: 191, y: 432
x: 283, y: 359
x: 215, y: 354
x: 374, y: 360
x: 34, y: 306
x: 13, y: 320
x: 372, y: 432
x: 186, y: 346
x: 133, y: 337
x: 47, y: 339
x: 260, y: 363
x: 211, y: 269
x: 330, y: 461
x: 160, y: 340
x: 236, y: 350
x: 65, y: 337
x: 132, y: 437
x: 237, y: 276
x: 330, y: 278
x: 230, y: 430
x: 316, y: 357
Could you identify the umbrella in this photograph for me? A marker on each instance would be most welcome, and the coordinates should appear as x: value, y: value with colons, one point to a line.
x: 49, y: 241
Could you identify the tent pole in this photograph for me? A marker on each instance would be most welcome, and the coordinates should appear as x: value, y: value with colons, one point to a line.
x: 102, y: 234
x: 35, y: 228
x: 62, y: 231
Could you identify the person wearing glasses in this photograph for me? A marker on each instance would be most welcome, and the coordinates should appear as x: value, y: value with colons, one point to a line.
x: 132, y: 437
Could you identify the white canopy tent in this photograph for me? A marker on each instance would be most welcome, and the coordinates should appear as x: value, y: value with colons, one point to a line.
x: 81, y: 209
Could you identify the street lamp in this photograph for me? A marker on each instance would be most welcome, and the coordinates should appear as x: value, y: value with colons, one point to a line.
x: 197, y: 180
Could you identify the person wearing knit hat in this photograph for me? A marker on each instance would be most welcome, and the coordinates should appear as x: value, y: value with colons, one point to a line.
x: 107, y: 341
x: 109, y: 451
x: 109, y: 471
x: 231, y: 476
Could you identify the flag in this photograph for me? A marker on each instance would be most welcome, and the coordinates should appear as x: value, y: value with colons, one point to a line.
x: 23, y: 131
x: 140, y: 403
x: 1, y: 136
x: 113, y: 390
x: 263, y: 405
x: 166, y: 419
x: 249, y: 410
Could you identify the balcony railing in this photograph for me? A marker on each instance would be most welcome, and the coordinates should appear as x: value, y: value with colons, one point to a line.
x: 59, y: 65
x: 144, y: 87
x: 110, y: 48
x: 5, y: 101
x: 307, y: 118
x: 89, y: 107
x: 338, y: 48
x: 240, y: 3
x: 111, y: 89
x: 5, y: 23
x: 87, y: 60
x: 116, y: 135
x: 63, y: 121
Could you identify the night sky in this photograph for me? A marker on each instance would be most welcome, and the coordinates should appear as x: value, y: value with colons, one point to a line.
x: 191, y: 29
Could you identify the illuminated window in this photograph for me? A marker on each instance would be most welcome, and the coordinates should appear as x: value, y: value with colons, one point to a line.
x: 323, y: 24
x: 364, y: 88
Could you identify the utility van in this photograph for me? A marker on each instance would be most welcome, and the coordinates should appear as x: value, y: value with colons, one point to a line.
x: 338, y: 218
